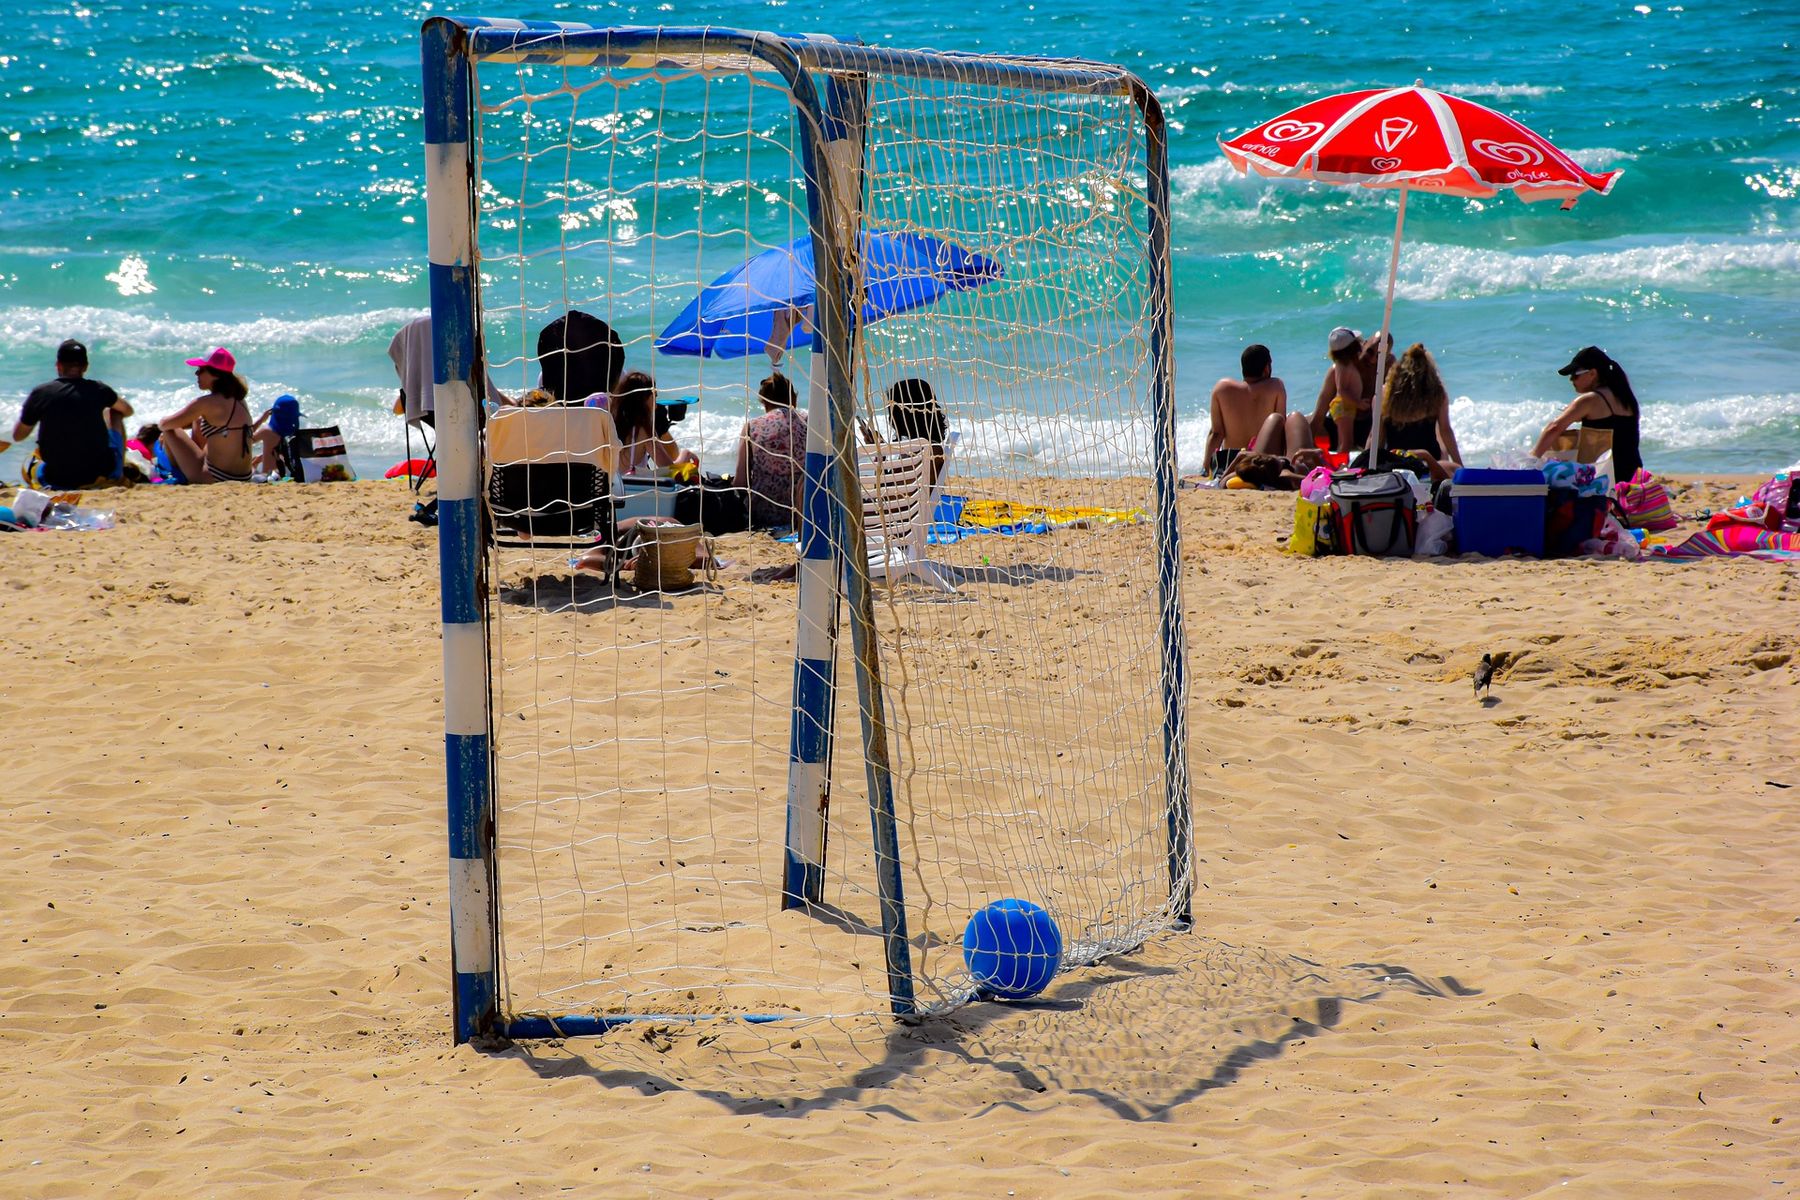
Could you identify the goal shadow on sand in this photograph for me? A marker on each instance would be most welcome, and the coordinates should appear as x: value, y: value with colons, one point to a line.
x: 582, y: 593
x: 1141, y: 1034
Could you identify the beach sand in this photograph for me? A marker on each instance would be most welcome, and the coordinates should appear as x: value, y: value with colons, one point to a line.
x: 1441, y: 948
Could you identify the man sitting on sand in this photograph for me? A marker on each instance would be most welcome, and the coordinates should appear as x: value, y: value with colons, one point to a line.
x: 1240, y: 407
x: 80, y: 424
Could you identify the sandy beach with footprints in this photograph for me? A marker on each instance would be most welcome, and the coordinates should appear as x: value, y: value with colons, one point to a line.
x: 1542, y: 946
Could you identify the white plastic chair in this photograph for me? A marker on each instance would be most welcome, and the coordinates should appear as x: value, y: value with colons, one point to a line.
x: 899, y: 502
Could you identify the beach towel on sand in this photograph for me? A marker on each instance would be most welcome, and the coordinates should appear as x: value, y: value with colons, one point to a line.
x: 1007, y: 518
x: 1001, y: 514
x: 1743, y: 541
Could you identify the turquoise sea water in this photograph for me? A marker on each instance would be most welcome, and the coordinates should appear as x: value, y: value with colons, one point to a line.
x: 201, y: 173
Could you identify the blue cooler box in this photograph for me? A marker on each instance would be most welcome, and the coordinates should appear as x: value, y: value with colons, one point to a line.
x: 647, y: 496
x: 1499, y: 512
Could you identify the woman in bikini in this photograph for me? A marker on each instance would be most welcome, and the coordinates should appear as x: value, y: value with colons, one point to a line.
x: 218, y: 450
x: 1282, y: 455
x: 643, y: 433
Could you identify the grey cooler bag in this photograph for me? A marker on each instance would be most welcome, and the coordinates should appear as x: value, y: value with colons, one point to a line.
x: 1376, y: 513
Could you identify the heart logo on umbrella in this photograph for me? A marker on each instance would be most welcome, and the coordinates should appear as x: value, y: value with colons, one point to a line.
x: 1516, y: 154
x: 1293, y: 131
x: 1384, y: 164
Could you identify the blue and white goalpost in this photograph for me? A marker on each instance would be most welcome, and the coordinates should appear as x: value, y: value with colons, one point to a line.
x: 640, y: 784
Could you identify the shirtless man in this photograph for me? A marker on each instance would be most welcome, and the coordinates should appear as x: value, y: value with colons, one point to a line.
x: 1240, y: 406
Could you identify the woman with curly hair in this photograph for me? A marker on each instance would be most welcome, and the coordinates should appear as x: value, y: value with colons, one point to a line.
x: 1415, y: 414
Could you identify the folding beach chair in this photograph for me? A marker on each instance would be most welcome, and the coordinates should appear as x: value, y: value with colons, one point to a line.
x: 899, y: 503
x: 550, y: 477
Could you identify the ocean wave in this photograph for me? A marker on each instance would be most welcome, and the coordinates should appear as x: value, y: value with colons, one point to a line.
x: 1226, y: 87
x: 1599, y: 158
x: 1213, y: 192
x: 1439, y: 272
x: 1479, y: 92
x: 1485, y: 429
x: 126, y: 331
x: 1192, y: 178
x: 1499, y: 91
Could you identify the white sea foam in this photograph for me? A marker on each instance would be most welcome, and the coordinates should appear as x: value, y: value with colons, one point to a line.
x: 1488, y: 428
x: 1498, y: 91
x: 1438, y: 272
x: 1600, y: 158
x: 139, y: 331
x: 1479, y: 92
x: 1211, y: 175
x: 1175, y: 92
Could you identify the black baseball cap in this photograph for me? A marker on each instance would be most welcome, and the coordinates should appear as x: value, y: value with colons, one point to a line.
x: 72, y: 352
x: 1588, y: 358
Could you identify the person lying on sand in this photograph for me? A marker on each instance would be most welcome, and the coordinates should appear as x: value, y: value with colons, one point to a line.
x: 1280, y: 457
x: 1240, y: 407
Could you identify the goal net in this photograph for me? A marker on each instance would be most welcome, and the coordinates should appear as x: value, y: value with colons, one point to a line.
x: 781, y: 797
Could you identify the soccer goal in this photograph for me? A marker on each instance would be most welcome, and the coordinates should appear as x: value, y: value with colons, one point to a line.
x: 754, y: 800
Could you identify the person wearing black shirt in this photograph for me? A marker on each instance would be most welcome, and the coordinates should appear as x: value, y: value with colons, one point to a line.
x: 73, y: 416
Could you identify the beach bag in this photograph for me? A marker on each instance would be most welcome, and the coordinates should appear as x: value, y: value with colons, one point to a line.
x: 1571, y: 519
x: 714, y: 503
x: 1377, y: 514
x: 1645, y: 503
x: 318, y: 456
x: 1312, y: 527
x: 1437, y: 534
x: 665, y: 557
x: 1780, y: 502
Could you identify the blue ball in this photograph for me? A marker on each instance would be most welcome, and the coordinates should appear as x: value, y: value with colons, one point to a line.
x: 1012, y: 948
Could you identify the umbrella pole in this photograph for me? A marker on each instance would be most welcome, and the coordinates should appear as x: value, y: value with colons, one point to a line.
x: 1387, y: 316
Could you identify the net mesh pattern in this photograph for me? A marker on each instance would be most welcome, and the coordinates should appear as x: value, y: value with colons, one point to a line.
x: 642, y: 732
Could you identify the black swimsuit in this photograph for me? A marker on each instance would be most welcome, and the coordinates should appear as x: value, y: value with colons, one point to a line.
x: 1413, y: 435
x: 1626, y: 456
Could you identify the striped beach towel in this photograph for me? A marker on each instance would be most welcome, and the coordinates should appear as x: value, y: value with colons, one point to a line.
x: 1740, y: 541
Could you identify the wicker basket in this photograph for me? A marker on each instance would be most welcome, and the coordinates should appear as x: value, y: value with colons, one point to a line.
x: 665, y: 557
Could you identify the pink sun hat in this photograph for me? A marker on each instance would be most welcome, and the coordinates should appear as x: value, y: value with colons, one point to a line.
x: 219, y: 360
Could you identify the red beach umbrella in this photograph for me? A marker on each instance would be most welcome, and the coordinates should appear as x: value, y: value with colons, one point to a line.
x: 1411, y: 138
